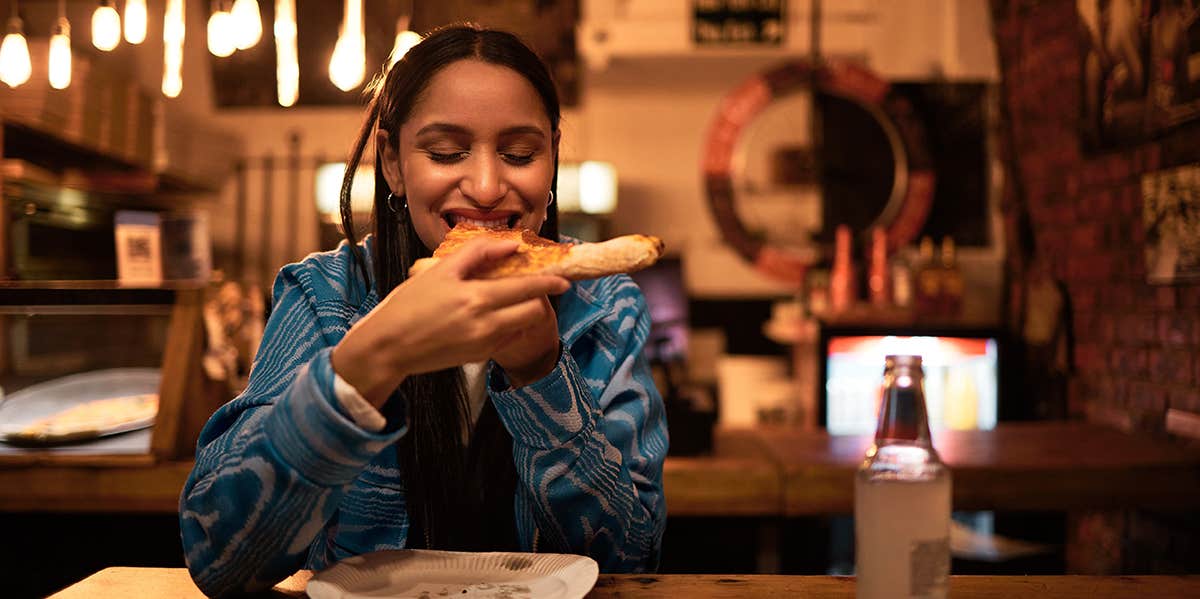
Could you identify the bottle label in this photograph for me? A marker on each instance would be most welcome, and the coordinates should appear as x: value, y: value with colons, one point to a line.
x: 930, y: 568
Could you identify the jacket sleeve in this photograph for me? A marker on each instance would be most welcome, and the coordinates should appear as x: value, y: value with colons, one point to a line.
x: 272, y: 464
x: 589, y: 442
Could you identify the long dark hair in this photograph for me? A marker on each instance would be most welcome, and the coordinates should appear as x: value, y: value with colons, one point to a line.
x: 454, y: 500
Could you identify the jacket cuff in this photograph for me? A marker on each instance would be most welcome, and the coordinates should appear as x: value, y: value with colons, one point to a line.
x: 548, y: 412
x: 316, y: 439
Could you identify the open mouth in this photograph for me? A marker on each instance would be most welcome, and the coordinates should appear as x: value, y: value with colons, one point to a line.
x: 504, y: 222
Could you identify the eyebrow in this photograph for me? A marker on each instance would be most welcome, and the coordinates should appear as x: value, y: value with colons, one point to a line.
x: 460, y: 130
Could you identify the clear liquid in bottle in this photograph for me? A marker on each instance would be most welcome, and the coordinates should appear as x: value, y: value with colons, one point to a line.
x: 902, y: 497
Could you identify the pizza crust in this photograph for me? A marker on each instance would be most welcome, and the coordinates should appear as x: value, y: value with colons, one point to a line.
x: 539, y: 256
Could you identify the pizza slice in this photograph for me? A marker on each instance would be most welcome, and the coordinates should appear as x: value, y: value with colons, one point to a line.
x: 92, y: 418
x: 537, y: 255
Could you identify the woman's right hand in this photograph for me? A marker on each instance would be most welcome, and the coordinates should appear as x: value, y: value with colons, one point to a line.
x: 440, y: 319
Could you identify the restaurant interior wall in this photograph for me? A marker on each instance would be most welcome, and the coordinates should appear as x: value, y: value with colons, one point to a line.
x: 1136, y: 345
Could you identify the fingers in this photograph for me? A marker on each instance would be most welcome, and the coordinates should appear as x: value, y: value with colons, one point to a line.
x: 476, y: 253
x: 498, y: 293
x: 509, y: 321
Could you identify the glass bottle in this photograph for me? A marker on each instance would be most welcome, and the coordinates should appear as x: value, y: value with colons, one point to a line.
x: 902, y: 496
x: 928, y: 280
x: 843, y: 290
x: 952, y: 278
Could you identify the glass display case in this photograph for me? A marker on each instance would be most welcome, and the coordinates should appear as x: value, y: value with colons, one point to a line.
x: 94, y: 368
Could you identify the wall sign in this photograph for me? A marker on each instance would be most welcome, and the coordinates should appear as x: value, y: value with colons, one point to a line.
x: 721, y: 22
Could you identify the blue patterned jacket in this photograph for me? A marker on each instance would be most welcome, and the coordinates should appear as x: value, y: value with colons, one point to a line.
x: 283, y: 480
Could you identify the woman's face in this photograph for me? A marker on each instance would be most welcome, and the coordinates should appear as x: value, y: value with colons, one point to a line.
x: 478, y: 148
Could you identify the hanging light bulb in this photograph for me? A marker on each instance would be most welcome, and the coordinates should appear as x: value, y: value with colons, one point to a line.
x: 135, y: 21
x: 173, y: 34
x: 172, y: 83
x: 247, y: 23
x: 60, y: 53
x: 287, y: 67
x: 173, y: 23
x: 405, y: 40
x: 15, y: 67
x: 221, y: 37
x: 347, y: 66
x: 106, y: 26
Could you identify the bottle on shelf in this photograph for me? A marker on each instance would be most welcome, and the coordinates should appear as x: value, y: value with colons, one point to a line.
x: 952, y: 279
x: 928, y: 279
x: 902, y: 281
x: 843, y: 288
x: 902, y: 496
x: 879, y: 280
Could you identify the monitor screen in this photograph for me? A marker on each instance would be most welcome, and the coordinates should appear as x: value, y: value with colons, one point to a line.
x: 961, y: 380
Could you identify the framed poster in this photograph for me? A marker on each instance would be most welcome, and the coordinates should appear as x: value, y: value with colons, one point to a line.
x: 1171, y: 215
x: 1140, y: 68
x: 1113, y: 72
x: 1174, y: 63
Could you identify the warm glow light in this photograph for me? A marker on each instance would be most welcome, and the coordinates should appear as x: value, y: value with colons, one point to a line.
x: 287, y: 66
x: 221, y: 40
x: 173, y: 24
x: 173, y: 34
x: 172, y: 83
x: 597, y: 187
x: 60, y: 55
x: 405, y: 40
x: 247, y: 23
x: 106, y: 26
x: 15, y: 67
x: 135, y: 21
x: 347, y: 66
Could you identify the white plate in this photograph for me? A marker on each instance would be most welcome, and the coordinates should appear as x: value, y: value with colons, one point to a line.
x: 35, y: 402
x: 423, y: 574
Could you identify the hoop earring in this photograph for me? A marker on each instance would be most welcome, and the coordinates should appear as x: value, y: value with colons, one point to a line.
x: 391, y: 203
x: 551, y: 201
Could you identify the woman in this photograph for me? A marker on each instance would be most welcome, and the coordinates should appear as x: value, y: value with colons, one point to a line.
x: 437, y: 411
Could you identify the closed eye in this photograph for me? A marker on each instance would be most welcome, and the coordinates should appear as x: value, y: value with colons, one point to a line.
x: 518, y: 159
x: 446, y: 157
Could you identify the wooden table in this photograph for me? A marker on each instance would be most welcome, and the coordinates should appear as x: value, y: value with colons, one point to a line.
x: 1017, y: 466
x: 752, y: 472
x: 155, y: 583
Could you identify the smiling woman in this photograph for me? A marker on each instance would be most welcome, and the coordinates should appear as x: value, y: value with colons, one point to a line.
x: 445, y: 410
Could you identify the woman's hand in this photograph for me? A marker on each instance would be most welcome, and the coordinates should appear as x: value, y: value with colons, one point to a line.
x: 443, y: 318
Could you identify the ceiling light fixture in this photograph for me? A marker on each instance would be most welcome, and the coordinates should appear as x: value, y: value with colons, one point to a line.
x: 347, y: 66
x: 60, y: 50
x: 221, y: 39
x: 15, y: 67
x: 106, y: 26
x: 247, y: 23
x: 174, y: 30
x: 287, y: 66
x: 135, y: 21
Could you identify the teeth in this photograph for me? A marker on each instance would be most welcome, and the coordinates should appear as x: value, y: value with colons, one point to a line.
x: 491, y: 224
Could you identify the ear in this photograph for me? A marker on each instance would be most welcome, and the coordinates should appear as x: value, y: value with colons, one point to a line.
x: 389, y: 161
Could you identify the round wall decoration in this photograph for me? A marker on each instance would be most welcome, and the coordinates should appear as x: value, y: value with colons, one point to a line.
x: 795, y: 151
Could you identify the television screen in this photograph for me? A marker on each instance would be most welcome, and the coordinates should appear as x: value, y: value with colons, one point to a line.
x: 961, y: 380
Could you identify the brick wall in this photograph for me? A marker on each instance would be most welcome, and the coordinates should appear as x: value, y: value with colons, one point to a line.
x: 1137, y: 346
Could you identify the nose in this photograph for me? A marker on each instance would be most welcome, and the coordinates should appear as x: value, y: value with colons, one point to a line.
x: 483, y: 182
